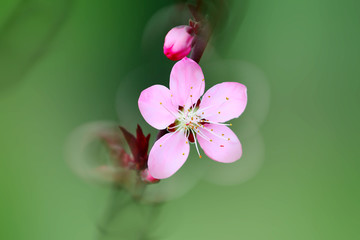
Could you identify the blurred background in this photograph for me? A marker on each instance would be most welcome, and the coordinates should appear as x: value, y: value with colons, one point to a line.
x: 66, y: 63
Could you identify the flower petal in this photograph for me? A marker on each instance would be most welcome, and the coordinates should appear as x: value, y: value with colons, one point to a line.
x: 224, y: 101
x: 187, y: 82
x: 168, y: 154
x: 156, y: 106
x: 219, y: 143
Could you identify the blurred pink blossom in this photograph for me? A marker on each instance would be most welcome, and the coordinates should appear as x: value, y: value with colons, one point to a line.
x: 146, y: 177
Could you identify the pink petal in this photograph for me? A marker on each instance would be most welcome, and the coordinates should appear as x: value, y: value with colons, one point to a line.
x: 220, y: 143
x: 168, y: 154
x: 156, y: 106
x: 187, y: 82
x: 224, y: 101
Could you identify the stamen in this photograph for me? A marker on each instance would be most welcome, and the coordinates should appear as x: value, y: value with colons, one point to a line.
x: 201, y: 87
x: 216, y: 123
x: 204, y: 136
x: 203, y: 109
x: 197, y: 149
x: 168, y: 110
x: 191, y: 101
x: 180, y: 112
x: 213, y: 133
x: 176, y: 126
x: 170, y: 136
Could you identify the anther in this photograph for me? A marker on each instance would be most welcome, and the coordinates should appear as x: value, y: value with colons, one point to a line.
x: 218, y: 112
x: 227, y: 98
x: 160, y: 145
x: 183, y: 153
x: 228, y: 139
x: 222, y: 134
x: 190, y: 95
x: 160, y: 103
x: 208, y: 96
x: 210, y: 140
x: 200, y: 156
x: 191, y: 87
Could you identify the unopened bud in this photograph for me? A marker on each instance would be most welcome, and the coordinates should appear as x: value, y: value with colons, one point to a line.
x: 178, y: 42
x: 146, y: 177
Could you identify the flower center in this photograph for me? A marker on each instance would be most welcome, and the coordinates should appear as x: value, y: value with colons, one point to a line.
x: 189, y: 120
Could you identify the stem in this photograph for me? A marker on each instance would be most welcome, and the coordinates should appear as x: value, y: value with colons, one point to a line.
x: 203, y: 33
x: 119, y: 202
x: 161, y: 133
x: 195, y: 10
x: 111, y: 211
x: 201, y: 40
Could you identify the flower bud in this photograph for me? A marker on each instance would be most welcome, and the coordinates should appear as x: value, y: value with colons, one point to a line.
x: 178, y: 42
x: 146, y: 177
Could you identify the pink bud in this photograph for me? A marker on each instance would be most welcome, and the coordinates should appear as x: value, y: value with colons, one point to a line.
x: 146, y: 177
x: 178, y: 42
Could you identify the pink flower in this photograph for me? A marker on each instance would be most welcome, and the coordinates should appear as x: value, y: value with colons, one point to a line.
x: 178, y: 42
x: 189, y: 119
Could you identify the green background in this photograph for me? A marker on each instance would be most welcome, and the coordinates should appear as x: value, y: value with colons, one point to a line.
x: 308, y: 185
